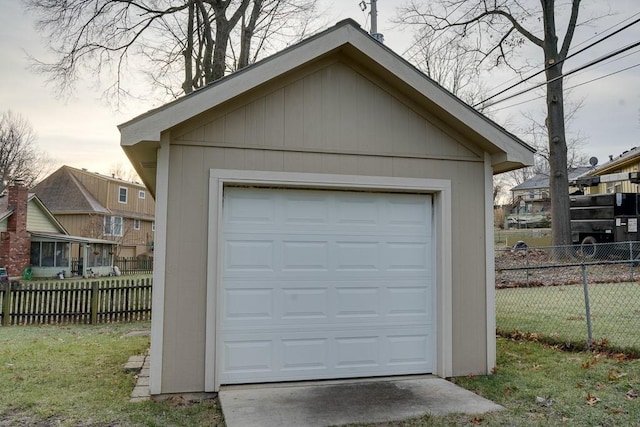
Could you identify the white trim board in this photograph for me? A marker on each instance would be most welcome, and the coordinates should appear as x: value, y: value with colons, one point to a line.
x: 160, y: 254
x: 439, y: 188
x: 490, y: 274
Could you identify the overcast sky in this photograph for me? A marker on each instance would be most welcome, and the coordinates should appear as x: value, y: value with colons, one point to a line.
x: 81, y: 131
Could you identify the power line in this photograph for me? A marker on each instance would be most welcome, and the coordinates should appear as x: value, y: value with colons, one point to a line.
x: 576, y: 46
x: 557, y: 63
x: 569, y: 88
x: 587, y: 65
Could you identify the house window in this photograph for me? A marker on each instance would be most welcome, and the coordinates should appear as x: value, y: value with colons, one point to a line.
x: 49, y: 254
x: 122, y: 194
x: 113, y: 226
x: 136, y: 224
x: 99, y: 255
x: 141, y: 194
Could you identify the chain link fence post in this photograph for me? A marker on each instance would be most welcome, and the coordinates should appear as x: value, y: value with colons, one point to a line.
x: 587, y: 306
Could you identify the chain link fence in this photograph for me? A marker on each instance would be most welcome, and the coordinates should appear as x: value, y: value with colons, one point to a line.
x: 585, y: 295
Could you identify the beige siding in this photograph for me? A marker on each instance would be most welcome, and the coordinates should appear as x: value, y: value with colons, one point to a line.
x: 317, y: 114
x: 38, y: 221
x: 106, y: 191
x: 79, y: 225
x: 294, y: 128
x: 186, y: 255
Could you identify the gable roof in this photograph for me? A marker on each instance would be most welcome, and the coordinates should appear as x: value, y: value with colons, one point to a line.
x: 541, y: 180
x: 140, y: 137
x: 5, y: 212
x: 63, y: 193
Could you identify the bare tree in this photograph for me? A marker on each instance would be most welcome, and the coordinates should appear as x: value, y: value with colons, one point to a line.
x: 20, y: 158
x: 534, y: 132
x: 499, y: 30
x: 183, y: 45
x: 125, y: 172
x: 450, y: 62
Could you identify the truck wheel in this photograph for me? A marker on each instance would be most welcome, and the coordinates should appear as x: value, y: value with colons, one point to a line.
x: 588, y: 247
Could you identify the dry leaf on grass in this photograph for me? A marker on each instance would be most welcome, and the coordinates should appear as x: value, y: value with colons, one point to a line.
x: 591, y: 399
x: 631, y: 394
x: 615, y: 374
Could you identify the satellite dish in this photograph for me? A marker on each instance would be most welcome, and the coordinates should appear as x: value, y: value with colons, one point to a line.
x: 593, y: 161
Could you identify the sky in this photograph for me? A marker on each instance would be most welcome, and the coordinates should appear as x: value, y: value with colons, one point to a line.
x: 81, y: 130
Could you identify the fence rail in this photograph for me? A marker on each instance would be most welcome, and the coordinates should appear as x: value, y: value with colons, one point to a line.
x: 76, y: 301
x: 572, y: 294
x: 134, y: 265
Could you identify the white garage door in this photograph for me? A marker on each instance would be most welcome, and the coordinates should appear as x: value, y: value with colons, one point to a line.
x: 325, y: 284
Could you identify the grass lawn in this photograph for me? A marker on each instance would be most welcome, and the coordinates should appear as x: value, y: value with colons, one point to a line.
x: 542, y: 386
x: 559, y: 312
x: 72, y: 376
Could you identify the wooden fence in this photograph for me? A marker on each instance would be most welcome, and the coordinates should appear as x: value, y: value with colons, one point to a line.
x: 134, y: 265
x: 92, y: 301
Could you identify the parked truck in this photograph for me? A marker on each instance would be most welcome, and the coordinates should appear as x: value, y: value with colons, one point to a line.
x: 604, y: 218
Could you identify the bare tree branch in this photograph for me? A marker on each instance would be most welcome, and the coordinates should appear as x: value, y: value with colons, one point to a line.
x: 19, y: 156
x: 185, y: 43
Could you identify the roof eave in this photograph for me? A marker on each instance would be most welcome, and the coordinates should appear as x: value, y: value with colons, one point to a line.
x: 140, y: 137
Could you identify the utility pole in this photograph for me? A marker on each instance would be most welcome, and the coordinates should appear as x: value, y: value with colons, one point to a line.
x: 374, y: 19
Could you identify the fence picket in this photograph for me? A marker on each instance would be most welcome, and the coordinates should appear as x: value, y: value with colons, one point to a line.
x: 64, y: 302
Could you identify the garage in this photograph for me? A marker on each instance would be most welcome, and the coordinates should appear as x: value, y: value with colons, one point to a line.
x: 325, y: 213
x: 325, y: 284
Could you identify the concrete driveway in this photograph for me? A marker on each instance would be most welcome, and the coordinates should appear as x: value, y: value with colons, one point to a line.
x: 331, y: 403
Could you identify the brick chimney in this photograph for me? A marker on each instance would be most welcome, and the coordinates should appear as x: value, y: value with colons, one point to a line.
x: 15, y: 243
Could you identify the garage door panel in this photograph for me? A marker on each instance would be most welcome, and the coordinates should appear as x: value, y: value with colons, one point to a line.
x: 249, y: 255
x: 248, y: 304
x: 305, y: 303
x: 357, y: 255
x: 408, y: 302
x: 358, y: 302
x: 344, y: 303
x: 305, y: 210
x: 279, y: 356
x: 247, y: 209
x: 409, y: 349
x: 248, y: 356
x: 327, y: 284
x: 307, y: 255
x: 301, y: 354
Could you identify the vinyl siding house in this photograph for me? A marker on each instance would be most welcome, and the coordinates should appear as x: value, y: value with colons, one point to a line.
x: 531, y: 202
x: 627, y: 162
x: 30, y: 236
x: 324, y: 213
x: 98, y: 206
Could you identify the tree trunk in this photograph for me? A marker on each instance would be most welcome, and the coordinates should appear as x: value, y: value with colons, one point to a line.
x: 219, y: 64
x: 247, y: 33
x: 558, y: 177
x: 187, y: 86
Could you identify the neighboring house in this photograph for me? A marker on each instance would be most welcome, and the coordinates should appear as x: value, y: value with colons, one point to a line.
x: 324, y: 213
x: 30, y: 236
x: 97, y: 206
x: 629, y: 161
x: 531, y: 202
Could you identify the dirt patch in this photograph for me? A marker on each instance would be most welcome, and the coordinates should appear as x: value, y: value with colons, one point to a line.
x: 536, y: 267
